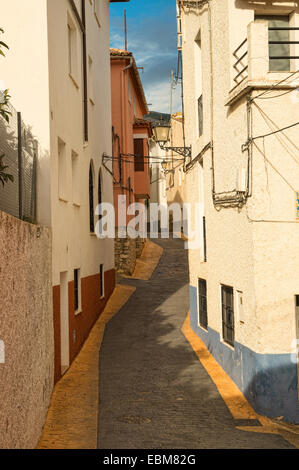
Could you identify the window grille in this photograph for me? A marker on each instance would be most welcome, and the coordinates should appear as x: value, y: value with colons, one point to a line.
x: 228, y: 321
x: 202, y: 303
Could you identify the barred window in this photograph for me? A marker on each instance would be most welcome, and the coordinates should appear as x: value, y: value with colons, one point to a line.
x: 279, y: 38
x: 202, y: 303
x: 228, y: 320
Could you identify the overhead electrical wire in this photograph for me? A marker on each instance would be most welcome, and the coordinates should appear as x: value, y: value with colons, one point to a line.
x: 277, y: 96
x: 274, y: 86
x: 275, y: 132
x: 151, y: 157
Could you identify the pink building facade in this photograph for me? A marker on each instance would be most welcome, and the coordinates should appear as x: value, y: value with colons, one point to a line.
x: 130, y: 147
x: 130, y: 131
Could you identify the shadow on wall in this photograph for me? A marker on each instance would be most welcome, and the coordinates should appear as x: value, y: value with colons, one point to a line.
x: 274, y: 392
x: 269, y: 381
x: 154, y: 392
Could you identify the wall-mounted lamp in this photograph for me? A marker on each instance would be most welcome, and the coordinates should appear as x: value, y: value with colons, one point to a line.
x: 161, y: 136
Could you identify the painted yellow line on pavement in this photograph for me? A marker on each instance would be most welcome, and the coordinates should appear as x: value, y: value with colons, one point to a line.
x: 234, y: 399
x: 72, y: 421
x: 232, y: 396
x: 148, y: 261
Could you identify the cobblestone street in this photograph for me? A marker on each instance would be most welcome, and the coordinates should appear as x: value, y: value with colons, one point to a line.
x: 154, y: 392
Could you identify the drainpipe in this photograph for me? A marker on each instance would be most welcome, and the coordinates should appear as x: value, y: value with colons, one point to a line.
x: 211, y: 99
x: 124, y: 104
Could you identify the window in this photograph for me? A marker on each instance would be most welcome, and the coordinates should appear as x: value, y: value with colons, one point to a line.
x: 77, y: 290
x: 202, y: 303
x: 75, y: 179
x: 62, y: 171
x: 100, y: 199
x: 279, y: 36
x: 91, y: 81
x: 91, y: 199
x: 102, y: 281
x: 204, y: 229
x: 200, y: 116
x: 228, y: 321
x: 240, y: 309
x: 72, y: 48
x: 139, y: 154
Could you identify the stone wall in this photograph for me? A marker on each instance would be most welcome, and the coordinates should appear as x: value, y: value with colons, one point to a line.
x: 26, y: 330
x: 127, y: 250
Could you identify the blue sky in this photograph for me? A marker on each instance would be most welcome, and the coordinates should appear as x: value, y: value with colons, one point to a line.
x: 152, y: 37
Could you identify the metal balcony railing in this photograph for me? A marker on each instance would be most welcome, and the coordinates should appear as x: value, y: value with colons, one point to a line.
x: 241, y: 64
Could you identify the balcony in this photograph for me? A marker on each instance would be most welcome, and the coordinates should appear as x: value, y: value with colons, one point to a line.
x: 256, y: 64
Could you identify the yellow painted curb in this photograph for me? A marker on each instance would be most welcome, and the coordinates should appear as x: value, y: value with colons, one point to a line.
x: 72, y: 421
x: 232, y: 396
x: 148, y: 261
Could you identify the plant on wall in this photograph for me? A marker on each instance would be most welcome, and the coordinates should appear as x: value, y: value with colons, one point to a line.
x: 4, y: 177
x: 5, y: 113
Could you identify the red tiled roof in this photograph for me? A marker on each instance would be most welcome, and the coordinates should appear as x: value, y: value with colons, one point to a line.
x: 120, y: 52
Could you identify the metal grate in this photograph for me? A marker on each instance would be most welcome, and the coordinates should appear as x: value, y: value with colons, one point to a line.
x: 228, y: 320
x: 20, y: 148
x: 202, y: 303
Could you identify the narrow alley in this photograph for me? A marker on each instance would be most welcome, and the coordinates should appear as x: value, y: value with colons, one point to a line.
x: 154, y: 392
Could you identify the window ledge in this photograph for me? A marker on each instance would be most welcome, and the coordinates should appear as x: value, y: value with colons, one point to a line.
x: 76, y: 204
x: 79, y: 311
x: 74, y: 81
x: 227, y: 344
x: 203, y: 328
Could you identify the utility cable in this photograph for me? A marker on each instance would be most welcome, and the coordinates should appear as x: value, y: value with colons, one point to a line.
x: 274, y: 86
x: 275, y: 132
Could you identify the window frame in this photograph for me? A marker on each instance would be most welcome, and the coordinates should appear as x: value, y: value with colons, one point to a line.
x: 228, y: 315
x: 276, y: 36
x: 202, y: 307
x: 139, y: 160
x: 77, y: 291
x: 73, y: 57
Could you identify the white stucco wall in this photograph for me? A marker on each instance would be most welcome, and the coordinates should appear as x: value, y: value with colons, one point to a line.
x: 25, y: 71
x: 73, y: 245
x: 257, y: 258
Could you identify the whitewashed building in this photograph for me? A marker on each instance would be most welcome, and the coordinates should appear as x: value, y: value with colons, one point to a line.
x: 240, y: 77
x: 58, y: 73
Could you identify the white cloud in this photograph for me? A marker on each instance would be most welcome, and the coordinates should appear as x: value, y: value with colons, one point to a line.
x: 159, y: 97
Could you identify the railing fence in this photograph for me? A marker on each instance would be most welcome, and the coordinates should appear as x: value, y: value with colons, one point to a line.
x: 20, y: 150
